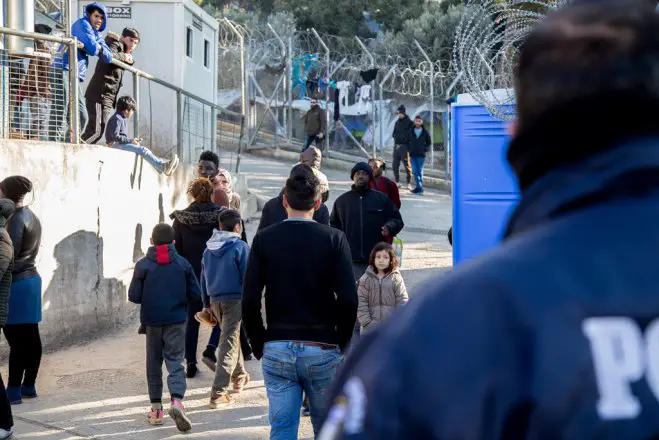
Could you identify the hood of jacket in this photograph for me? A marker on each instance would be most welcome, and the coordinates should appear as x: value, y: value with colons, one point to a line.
x: 163, y: 254
x: 221, y: 241
x: 371, y: 272
x: 100, y: 6
x: 629, y: 170
x: 311, y: 157
x: 198, y: 214
x: 111, y: 37
x: 7, y: 208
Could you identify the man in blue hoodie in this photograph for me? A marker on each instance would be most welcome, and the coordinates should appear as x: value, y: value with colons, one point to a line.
x: 88, y: 32
x: 222, y: 271
x: 555, y: 333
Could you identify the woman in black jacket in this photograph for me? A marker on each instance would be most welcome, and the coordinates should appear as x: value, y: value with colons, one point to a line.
x: 22, y: 328
x: 420, y: 143
x: 193, y: 227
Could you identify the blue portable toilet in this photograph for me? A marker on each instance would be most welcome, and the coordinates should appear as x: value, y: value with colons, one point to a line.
x: 484, y: 187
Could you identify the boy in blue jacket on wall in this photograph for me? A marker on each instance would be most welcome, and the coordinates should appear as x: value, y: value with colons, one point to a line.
x: 88, y: 32
x: 164, y: 284
x: 222, y: 271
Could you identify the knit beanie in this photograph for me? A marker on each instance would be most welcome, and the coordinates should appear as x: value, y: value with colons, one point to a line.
x: 15, y: 187
x: 401, y: 109
x: 361, y: 166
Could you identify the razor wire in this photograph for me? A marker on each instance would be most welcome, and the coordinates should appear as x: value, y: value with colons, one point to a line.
x: 487, y: 43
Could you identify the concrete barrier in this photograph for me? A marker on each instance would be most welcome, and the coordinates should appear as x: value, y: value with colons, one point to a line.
x: 97, y: 207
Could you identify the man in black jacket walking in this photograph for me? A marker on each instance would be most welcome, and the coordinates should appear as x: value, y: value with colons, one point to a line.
x: 366, y: 216
x: 311, y: 305
x: 402, y: 136
x: 103, y: 88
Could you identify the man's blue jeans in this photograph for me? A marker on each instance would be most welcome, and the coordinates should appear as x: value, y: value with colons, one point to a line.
x: 152, y: 159
x: 417, y: 163
x: 290, y: 368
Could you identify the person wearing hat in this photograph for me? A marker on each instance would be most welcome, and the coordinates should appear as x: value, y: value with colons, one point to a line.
x: 22, y: 327
x: 403, y: 130
x: 366, y: 216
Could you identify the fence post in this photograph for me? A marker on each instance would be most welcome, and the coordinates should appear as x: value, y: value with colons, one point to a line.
x: 74, y: 105
x: 381, y: 85
x: 289, y: 68
x: 179, y: 124
x: 432, y: 102
x: 136, y: 116
x: 327, y: 92
x: 368, y: 54
x: 214, y: 146
x: 285, y: 54
x: 243, y: 79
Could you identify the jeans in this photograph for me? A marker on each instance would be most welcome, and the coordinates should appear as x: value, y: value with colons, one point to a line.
x: 165, y: 342
x: 39, y: 110
x: 312, y: 138
x: 58, y: 123
x: 24, y: 354
x: 141, y: 150
x: 289, y: 368
x: 417, y: 163
x: 401, y: 155
x: 230, y: 363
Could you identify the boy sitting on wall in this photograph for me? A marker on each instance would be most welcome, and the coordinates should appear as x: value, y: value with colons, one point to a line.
x: 117, y: 137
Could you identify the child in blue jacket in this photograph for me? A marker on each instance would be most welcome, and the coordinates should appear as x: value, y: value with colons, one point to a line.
x: 164, y: 284
x: 88, y: 32
x: 222, y: 271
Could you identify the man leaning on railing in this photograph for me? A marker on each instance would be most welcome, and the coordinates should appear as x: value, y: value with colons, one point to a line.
x: 88, y: 31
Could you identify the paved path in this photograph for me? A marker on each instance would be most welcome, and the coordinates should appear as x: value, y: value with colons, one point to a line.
x: 98, y: 390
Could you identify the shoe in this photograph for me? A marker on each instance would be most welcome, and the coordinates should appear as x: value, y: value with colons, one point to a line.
x: 218, y: 399
x: 306, y: 412
x: 6, y: 435
x: 239, y: 385
x: 191, y: 371
x: 206, y: 318
x: 156, y: 416
x: 172, y: 164
x: 209, y: 359
x: 141, y: 330
x: 29, y: 392
x: 177, y: 413
x: 14, y: 395
x: 247, y: 357
x: 409, y: 186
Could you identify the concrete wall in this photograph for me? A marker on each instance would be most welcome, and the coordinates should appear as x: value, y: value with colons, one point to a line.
x: 97, y: 207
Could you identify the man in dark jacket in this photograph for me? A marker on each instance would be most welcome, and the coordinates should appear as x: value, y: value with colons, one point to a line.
x: 103, y: 88
x: 6, y: 265
x: 315, y: 125
x: 552, y: 335
x: 274, y: 212
x: 402, y: 136
x: 366, y: 216
x: 419, y: 145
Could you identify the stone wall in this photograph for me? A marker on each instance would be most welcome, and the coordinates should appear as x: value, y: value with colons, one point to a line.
x: 97, y: 207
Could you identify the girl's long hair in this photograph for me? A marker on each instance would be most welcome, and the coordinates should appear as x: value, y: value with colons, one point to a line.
x: 393, y: 258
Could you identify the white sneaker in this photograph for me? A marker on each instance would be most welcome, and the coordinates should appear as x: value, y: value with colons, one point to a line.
x: 5, y: 435
x: 410, y: 187
x: 170, y: 168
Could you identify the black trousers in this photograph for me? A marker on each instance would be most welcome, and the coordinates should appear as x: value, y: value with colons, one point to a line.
x: 6, y: 419
x: 401, y: 154
x: 98, y: 117
x: 311, y: 138
x: 24, y: 353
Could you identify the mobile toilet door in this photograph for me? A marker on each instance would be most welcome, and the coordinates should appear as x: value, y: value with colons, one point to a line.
x: 484, y: 188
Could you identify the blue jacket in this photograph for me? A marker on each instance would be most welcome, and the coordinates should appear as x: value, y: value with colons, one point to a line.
x: 552, y: 335
x: 116, y: 130
x: 163, y: 283
x: 223, y: 267
x: 93, y: 41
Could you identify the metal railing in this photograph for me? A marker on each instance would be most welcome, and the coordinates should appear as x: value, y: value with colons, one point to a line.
x: 34, y: 91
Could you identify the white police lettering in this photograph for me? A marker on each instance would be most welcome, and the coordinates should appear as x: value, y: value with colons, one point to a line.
x: 618, y: 350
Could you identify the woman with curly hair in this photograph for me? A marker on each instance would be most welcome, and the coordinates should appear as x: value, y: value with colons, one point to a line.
x: 193, y: 227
